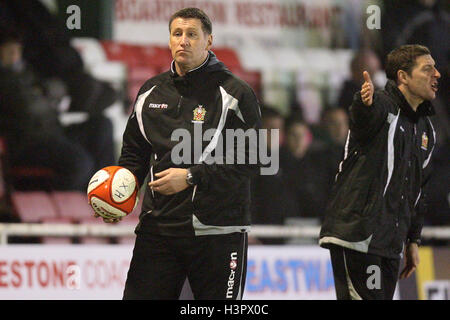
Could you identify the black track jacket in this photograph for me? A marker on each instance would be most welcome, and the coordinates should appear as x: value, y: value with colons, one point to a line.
x: 378, y: 200
x: 208, y: 97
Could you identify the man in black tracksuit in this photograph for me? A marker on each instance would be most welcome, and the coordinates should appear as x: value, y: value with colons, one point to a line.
x: 195, y: 214
x: 378, y: 200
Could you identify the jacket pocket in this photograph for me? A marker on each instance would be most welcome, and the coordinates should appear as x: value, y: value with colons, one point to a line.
x: 227, y: 209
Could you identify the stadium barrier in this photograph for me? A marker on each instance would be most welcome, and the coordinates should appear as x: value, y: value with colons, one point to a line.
x: 118, y: 230
x: 287, y: 272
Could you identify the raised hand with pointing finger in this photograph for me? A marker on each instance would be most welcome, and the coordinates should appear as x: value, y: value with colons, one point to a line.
x: 367, y: 90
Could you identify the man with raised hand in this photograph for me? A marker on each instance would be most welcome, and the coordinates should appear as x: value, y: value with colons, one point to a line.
x: 377, y: 204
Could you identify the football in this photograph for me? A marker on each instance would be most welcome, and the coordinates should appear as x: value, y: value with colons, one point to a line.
x: 113, y: 192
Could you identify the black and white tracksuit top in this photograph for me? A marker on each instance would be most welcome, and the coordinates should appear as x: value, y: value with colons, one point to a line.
x: 378, y: 200
x: 209, y: 96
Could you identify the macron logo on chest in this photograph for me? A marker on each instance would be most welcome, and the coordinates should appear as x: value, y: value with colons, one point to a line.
x: 157, y: 106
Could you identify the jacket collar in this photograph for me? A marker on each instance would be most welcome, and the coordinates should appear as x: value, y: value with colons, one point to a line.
x: 174, y: 71
x: 424, y: 109
x: 211, y: 64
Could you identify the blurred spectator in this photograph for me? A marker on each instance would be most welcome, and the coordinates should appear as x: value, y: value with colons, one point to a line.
x: 30, y: 123
x: 310, y: 176
x: 298, y: 136
x: 362, y: 60
x: 272, y: 200
x: 317, y: 157
x: 47, y: 49
x: 335, y: 126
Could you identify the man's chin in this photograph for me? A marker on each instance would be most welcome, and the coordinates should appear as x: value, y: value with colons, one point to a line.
x: 180, y: 60
x: 432, y: 96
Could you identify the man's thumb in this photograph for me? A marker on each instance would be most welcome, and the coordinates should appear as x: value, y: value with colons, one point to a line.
x: 366, y: 76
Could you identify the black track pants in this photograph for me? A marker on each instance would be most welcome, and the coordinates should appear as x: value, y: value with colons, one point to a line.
x: 215, y: 266
x: 361, y: 276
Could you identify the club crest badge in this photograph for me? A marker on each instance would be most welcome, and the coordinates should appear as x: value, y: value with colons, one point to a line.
x: 424, y: 141
x: 199, y: 114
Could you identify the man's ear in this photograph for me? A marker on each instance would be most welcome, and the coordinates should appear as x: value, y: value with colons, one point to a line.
x: 209, y: 42
x: 402, y: 77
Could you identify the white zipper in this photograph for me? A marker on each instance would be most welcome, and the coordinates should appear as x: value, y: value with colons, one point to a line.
x: 151, y: 180
x: 193, y: 192
x: 151, y: 175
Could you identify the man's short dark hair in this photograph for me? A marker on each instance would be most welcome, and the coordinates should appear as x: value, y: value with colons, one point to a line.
x: 403, y: 58
x: 8, y: 35
x: 193, y: 13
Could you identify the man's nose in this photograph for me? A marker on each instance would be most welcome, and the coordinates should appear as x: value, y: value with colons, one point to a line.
x: 184, y: 40
x: 437, y: 74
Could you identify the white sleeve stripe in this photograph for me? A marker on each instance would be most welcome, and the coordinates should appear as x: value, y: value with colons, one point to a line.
x: 392, y: 119
x: 138, y: 110
x: 347, y: 142
x: 228, y: 102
